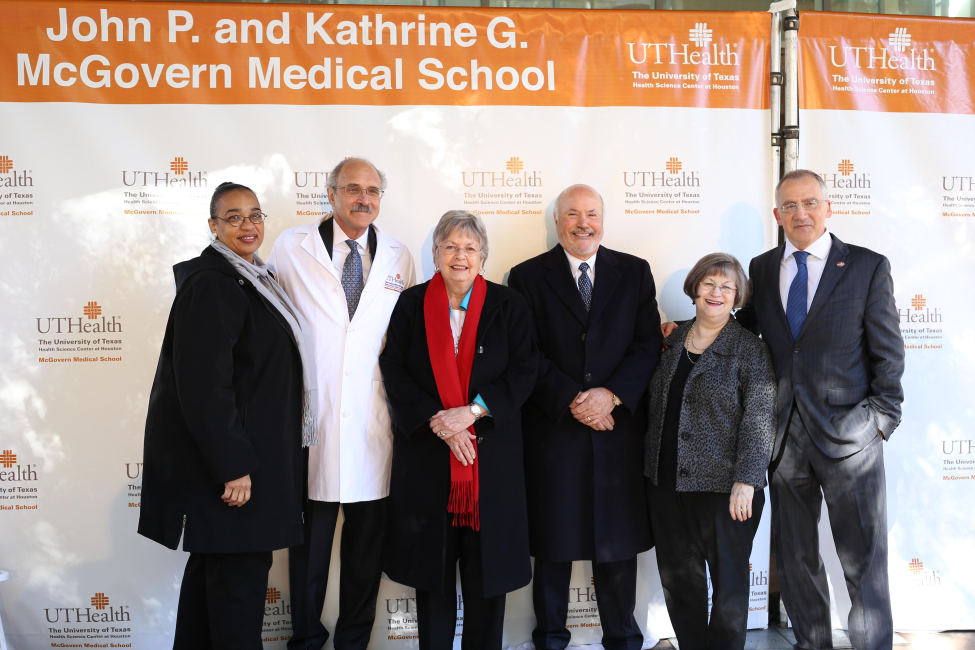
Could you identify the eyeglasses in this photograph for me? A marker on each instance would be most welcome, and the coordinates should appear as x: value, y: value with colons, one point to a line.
x: 356, y: 191
x: 808, y: 205
x: 238, y: 220
x: 456, y: 250
x: 709, y: 287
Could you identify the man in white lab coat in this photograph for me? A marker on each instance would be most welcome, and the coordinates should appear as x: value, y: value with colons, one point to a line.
x: 345, y: 276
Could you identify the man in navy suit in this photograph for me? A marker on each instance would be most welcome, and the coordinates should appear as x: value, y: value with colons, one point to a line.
x: 598, y: 330
x: 826, y: 310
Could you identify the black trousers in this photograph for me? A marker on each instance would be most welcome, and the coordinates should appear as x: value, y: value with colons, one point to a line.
x: 691, y: 528
x: 615, y: 584
x: 437, y: 612
x: 221, y: 601
x: 360, y: 553
x: 855, y: 491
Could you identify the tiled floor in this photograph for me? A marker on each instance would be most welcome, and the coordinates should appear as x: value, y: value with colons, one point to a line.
x: 779, y: 638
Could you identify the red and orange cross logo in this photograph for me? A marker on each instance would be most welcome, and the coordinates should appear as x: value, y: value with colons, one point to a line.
x: 99, y: 601
x: 6, y: 164
x: 8, y: 458
x: 273, y: 595
x: 674, y: 165
x: 179, y: 165
x: 514, y: 165
x: 845, y: 167
x: 916, y: 566
x: 92, y: 310
x: 918, y: 302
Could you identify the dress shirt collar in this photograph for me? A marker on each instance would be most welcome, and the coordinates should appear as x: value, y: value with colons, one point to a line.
x: 338, y: 235
x: 818, y: 249
x: 574, y: 262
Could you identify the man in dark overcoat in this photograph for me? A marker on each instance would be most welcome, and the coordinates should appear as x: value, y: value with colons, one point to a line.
x: 826, y: 310
x: 598, y: 332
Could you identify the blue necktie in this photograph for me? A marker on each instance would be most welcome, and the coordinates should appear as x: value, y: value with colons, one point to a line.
x: 795, y: 311
x: 585, y: 285
x: 352, y: 277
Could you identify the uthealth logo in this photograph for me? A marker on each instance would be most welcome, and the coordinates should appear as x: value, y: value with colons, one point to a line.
x: 846, y: 178
x: 81, y: 325
x: 673, y: 176
x: 179, y: 175
x: 100, y: 611
x: 680, y: 53
x: 516, y: 176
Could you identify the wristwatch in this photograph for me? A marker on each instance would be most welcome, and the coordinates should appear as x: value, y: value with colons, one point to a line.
x: 617, y: 401
x: 477, y: 410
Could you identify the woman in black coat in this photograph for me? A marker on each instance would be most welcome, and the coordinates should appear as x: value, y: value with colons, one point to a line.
x: 436, y: 516
x: 224, y: 431
x: 708, y: 445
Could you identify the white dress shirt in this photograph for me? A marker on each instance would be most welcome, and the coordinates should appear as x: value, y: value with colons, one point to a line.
x: 341, y: 250
x: 815, y: 265
x: 574, y: 263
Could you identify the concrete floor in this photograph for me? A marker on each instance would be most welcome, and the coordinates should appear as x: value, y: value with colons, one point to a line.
x: 780, y: 638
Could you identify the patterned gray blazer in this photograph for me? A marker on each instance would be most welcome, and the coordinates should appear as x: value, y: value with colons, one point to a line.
x: 727, y: 420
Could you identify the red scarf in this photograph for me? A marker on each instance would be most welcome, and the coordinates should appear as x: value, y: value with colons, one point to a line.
x: 452, y: 373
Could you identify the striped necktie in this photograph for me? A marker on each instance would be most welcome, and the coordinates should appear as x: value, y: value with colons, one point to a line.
x: 795, y: 311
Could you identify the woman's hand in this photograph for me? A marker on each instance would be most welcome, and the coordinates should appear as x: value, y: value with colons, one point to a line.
x: 237, y: 493
x: 452, y: 421
x: 741, y: 501
x: 461, y: 446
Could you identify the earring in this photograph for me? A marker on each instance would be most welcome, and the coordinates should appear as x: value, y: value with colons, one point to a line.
x: 213, y: 237
x: 436, y: 269
x: 481, y: 272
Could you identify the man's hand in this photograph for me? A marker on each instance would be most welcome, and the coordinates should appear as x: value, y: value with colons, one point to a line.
x: 592, y: 406
x: 238, y: 492
x: 605, y: 424
x: 668, y: 328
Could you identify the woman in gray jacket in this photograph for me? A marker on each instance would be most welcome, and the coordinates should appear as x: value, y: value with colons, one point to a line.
x: 708, y: 445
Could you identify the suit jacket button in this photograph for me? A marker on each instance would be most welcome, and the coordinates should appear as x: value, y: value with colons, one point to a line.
x: 480, y: 439
x: 689, y: 399
x: 685, y: 436
x: 683, y: 472
x: 588, y: 376
x: 796, y: 350
x: 583, y: 336
x: 241, y: 281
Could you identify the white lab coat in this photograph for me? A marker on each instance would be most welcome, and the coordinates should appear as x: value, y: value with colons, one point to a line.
x: 354, y: 454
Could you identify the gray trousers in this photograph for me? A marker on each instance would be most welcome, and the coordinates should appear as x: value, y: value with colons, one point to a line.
x: 856, y: 499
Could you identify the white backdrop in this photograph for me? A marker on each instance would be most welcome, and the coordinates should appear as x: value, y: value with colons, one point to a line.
x: 899, y: 170
x: 77, y: 427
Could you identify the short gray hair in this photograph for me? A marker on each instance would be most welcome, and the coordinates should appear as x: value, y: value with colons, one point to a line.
x: 719, y: 264
x: 468, y: 222
x: 557, y: 206
x: 333, y: 176
x: 798, y: 175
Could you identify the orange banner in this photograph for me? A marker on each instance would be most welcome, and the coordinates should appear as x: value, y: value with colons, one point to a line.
x: 886, y: 63
x: 211, y: 53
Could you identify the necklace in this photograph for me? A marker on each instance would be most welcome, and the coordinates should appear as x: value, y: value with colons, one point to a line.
x: 690, y: 338
x: 688, y: 353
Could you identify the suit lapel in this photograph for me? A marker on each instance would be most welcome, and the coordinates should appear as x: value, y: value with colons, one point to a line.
x: 314, y: 245
x: 559, y: 277
x: 831, y: 275
x: 382, y: 258
x: 606, y: 281
x: 772, y: 271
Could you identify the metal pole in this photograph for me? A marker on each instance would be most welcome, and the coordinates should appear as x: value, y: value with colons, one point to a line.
x: 790, y: 130
x: 775, y: 97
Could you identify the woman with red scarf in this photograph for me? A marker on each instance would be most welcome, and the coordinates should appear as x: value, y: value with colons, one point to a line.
x: 459, y: 362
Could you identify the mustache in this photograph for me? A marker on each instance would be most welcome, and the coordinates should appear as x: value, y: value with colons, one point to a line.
x: 360, y: 207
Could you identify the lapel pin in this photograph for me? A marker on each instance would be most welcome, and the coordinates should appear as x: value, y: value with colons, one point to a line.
x: 841, y: 264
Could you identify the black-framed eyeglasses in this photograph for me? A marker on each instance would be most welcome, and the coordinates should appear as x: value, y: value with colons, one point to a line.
x: 355, y: 191
x: 238, y: 220
x: 808, y: 205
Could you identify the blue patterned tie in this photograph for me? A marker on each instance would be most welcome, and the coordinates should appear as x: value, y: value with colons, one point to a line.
x: 795, y: 311
x: 352, y: 277
x: 585, y: 285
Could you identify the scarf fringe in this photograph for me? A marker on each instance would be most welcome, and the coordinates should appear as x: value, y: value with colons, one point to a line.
x: 463, y: 505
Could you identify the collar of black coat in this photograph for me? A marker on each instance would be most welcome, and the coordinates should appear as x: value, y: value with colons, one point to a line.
x: 209, y: 260
x: 327, y: 233
x: 726, y: 343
